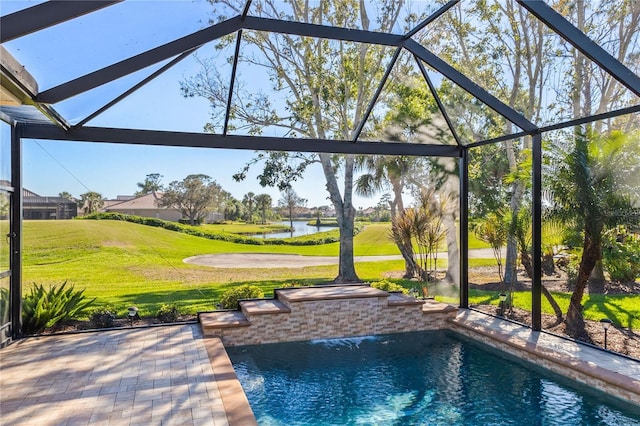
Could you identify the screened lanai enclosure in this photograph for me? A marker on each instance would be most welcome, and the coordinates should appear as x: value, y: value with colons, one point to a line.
x: 523, y: 115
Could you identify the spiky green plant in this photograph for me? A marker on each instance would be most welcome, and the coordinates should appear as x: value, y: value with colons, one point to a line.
x: 43, y: 308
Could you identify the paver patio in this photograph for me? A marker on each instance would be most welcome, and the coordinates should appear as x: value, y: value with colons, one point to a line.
x: 171, y: 375
x: 150, y: 376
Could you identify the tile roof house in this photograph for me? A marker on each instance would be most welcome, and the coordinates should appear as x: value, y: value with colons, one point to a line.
x: 148, y: 206
x: 144, y: 205
x: 40, y: 207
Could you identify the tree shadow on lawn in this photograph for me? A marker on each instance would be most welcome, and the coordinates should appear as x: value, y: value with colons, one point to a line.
x: 198, y: 298
x: 613, y: 311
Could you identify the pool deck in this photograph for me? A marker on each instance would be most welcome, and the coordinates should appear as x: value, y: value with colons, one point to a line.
x: 607, y: 371
x: 172, y: 375
x: 145, y: 376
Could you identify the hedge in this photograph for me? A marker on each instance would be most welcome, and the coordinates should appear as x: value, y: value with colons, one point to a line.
x: 305, y: 240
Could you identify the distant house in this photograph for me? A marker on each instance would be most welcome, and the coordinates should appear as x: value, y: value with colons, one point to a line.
x: 40, y: 207
x: 148, y: 206
x: 144, y: 205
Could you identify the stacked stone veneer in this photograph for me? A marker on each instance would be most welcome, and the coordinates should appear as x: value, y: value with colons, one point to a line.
x: 324, y: 312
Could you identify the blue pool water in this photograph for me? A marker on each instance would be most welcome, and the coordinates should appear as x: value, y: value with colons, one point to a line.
x: 427, y: 378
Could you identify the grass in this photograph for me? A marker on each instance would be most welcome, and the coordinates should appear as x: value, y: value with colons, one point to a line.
x: 124, y: 264
x: 622, y: 309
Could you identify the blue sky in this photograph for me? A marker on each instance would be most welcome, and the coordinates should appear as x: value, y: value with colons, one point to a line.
x: 51, y: 167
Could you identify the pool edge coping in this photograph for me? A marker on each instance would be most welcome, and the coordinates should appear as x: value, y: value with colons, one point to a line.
x: 236, y: 405
x: 561, y: 361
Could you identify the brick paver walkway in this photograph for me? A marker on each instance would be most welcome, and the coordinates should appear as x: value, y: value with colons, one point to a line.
x: 148, y: 376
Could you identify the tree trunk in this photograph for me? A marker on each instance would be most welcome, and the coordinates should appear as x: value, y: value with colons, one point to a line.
x: 597, y: 279
x: 525, y: 259
x: 346, y: 266
x: 345, y: 214
x: 453, y: 256
x: 511, y: 260
x: 575, y: 326
x: 411, y: 268
x: 556, y: 308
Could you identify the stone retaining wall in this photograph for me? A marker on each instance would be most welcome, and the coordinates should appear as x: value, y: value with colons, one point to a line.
x: 328, y: 312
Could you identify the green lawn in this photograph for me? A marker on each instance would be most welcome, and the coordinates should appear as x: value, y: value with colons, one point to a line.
x: 124, y: 264
x: 623, y: 310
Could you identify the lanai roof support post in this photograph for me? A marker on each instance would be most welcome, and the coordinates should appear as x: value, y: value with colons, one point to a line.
x: 15, y: 244
x: 536, y: 196
x: 464, y: 228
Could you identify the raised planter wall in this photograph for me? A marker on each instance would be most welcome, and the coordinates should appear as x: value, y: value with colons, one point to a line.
x: 324, y: 312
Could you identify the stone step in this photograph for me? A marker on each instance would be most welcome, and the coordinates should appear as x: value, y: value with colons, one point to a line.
x: 307, y: 294
x: 263, y: 306
x: 430, y: 306
x: 400, y: 299
x: 212, y: 321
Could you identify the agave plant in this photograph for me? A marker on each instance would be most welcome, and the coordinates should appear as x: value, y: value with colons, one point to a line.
x: 43, y: 308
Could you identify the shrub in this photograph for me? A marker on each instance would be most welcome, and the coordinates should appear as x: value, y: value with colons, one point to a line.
x: 168, y: 313
x: 44, y: 308
x: 386, y: 285
x: 570, y: 263
x: 229, y: 299
x: 621, y: 256
x: 4, y: 305
x: 314, y: 239
x: 103, y: 317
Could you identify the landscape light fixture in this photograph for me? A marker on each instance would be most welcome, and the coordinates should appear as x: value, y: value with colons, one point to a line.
x: 414, y: 293
x: 502, y: 297
x: 133, y: 314
x: 606, y: 323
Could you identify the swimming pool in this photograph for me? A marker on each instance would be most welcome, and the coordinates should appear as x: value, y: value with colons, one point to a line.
x: 425, y: 378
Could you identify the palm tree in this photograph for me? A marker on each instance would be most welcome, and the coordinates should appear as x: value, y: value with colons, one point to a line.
x: 591, y: 191
x: 263, y: 202
x: 91, y: 202
x: 383, y: 172
x: 249, y: 201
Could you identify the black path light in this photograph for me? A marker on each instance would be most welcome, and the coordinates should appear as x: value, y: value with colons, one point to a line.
x: 606, y: 323
x: 502, y: 297
x: 132, y: 314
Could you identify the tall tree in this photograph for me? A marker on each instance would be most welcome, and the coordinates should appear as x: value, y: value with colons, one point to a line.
x: 152, y: 184
x: 91, y: 202
x: 389, y: 172
x: 263, y: 202
x: 615, y: 25
x: 67, y: 196
x: 591, y: 191
x: 233, y: 208
x: 249, y: 201
x: 194, y: 196
x: 290, y: 200
x: 511, y: 55
x: 329, y: 84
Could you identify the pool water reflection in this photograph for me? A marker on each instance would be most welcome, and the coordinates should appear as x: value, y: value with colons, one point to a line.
x: 424, y: 378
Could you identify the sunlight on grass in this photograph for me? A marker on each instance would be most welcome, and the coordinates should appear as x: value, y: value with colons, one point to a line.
x: 124, y: 264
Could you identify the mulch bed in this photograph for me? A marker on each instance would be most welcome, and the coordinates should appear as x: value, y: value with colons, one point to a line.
x: 622, y: 340
x: 619, y: 340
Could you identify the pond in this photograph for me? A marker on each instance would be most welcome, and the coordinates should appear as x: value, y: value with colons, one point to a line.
x: 300, y: 227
